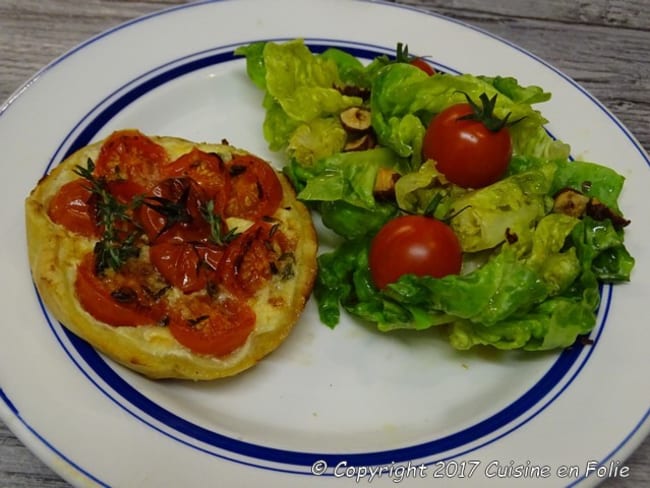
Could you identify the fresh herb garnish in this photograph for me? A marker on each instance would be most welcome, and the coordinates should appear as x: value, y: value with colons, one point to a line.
x: 175, y: 212
x: 215, y: 221
x: 113, y: 248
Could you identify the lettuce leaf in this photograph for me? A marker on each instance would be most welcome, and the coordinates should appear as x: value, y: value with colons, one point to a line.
x: 349, y: 176
x: 301, y: 100
x: 404, y: 99
x: 592, y: 179
x: 352, y: 222
x: 303, y: 83
x: 351, y: 70
x: 554, y: 323
x: 509, y: 208
x: 415, y: 192
x: 255, y: 68
x: 557, y: 268
x: 488, y: 295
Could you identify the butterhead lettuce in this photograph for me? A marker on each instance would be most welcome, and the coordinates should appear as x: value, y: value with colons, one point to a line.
x: 531, y: 276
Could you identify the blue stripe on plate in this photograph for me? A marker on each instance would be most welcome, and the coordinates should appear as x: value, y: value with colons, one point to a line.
x: 8, y: 402
x: 518, y: 408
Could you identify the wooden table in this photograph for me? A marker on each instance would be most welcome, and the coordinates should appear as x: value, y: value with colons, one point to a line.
x: 602, y: 44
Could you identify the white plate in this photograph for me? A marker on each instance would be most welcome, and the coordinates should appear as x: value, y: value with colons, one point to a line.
x: 349, y: 398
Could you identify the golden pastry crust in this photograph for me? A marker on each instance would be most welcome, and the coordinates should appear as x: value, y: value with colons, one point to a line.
x: 55, y: 253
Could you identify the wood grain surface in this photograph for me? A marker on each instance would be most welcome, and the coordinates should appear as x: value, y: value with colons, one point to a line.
x: 602, y: 44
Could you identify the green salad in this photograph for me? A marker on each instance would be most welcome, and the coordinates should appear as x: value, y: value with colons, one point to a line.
x: 454, y: 206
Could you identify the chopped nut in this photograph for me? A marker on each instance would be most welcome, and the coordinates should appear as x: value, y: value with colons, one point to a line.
x: 570, y: 202
x: 355, y: 119
x: 576, y: 204
x: 366, y: 141
x: 511, y: 237
x: 599, y: 211
x: 385, y: 183
x: 354, y: 91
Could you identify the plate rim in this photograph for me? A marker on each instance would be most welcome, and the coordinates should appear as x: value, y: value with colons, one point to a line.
x: 642, y: 425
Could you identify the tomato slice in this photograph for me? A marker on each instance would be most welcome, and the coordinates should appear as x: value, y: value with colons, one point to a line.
x: 172, y: 211
x: 208, y: 170
x: 117, y: 301
x: 256, y: 189
x: 130, y: 155
x: 251, y: 259
x: 187, y: 266
x: 213, y: 326
x: 72, y: 208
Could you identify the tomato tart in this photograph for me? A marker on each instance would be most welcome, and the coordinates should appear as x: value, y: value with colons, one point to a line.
x: 174, y: 258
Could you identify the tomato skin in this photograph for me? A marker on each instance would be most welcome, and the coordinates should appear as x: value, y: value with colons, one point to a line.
x: 258, y: 189
x: 72, y: 208
x: 189, y: 197
x: 413, y: 244
x: 130, y: 155
x: 207, y: 170
x: 466, y: 151
x: 95, y: 297
x: 423, y: 65
x: 213, y: 327
x: 248, y: 260
x: 125, y: 191
x: 186, y: 266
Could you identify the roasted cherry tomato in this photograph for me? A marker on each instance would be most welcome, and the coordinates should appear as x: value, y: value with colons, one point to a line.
x: 252, y: 258
x: 423, y: 65
x: 208, y: 170
x: 187, y: 266
x: 172, y: 211
x: 413, y: 244
x: 465, y: 150
x: 256, y: 190
x: 212, y: 326
x: 130, y: 155
x: 118, y: 300
x: 72, y: 208
x: 125, y: 191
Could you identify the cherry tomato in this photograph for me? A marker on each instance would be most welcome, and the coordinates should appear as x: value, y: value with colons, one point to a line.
x: 187, y: 266
x: 256, y: 189
x: 413, y: 244
x: 118, y: 300
x: 130, y: 155
x: 125, y: 191
x: 250, y: 259
x: 423, y: 65
x: 208, y: 170
x: 72, y: 208
x: 466, y: 151
x: 212, y: 326
x: 172, y: 211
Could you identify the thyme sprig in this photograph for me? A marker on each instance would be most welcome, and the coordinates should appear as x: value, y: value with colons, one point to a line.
x: 113, y: 248
x: 174, y: 212
x: 215, y: 222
